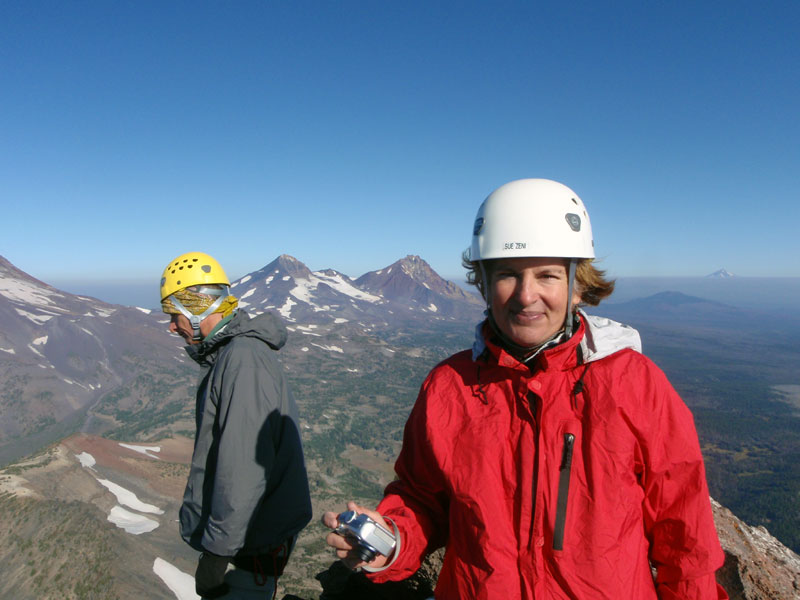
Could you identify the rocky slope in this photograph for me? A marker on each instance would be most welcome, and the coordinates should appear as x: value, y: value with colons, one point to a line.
x: 757, y: 566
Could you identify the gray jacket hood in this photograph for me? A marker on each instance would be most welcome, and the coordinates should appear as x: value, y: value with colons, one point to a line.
x: 267, y: 327
x: 604, y: 337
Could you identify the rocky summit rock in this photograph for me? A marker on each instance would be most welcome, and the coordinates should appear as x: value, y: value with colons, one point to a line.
x: 757, y: 566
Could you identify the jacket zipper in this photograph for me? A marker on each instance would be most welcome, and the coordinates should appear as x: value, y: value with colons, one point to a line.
x: 533, y: 407
x: 563, y: 491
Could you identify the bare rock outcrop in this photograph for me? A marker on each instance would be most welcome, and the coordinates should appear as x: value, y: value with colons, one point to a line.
x: 757, y: 566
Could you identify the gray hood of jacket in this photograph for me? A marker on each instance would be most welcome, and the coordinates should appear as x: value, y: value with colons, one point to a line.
x: 604, y: 337
x: 266, y: 327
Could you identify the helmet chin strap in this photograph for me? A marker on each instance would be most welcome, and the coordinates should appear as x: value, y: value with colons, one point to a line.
x: 486, y: 292
x: 196, y: 320
x: 573, y: 263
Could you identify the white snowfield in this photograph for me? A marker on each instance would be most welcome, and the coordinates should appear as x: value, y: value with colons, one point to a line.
x: 46, y: 300
x: 286, y: 309
x: 181, y: 584
x: 338, y: 283
x: 329, y: 348
x: 129, y: 499
x: 131, y: 522
x: 124, y: 519
x: 305, y: 330
x: 146, y: 450
x: 86, y: 460
x: 18, y: 290
x: 35, y: 318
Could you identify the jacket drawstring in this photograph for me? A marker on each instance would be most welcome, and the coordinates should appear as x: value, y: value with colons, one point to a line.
x: 258, y: 573
x: 578, y: 388
x: 279, y: 557
x: 481, y: 392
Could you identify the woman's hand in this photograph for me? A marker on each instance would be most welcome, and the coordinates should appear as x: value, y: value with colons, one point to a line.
x: 344, y: 549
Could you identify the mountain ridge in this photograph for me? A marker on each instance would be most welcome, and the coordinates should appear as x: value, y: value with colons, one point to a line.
x: 66, y: 358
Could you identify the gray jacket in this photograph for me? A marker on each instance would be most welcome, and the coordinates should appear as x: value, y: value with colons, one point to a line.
x: 248, y: 489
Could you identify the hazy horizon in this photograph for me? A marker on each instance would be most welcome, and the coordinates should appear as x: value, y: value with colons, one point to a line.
x: 757, y: 293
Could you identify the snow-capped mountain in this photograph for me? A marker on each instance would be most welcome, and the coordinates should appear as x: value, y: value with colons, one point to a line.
x: 721, y: 274
x: 62, y: 355
x: 413, y: 283
x: 407, y: 290
x: 59, y: 353
x: 288, y: 287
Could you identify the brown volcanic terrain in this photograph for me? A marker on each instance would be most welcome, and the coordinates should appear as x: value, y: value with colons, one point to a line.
x: 57, y: 541
x: 166, y: 474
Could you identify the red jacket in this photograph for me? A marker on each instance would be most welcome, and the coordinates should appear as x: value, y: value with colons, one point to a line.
x: 567, y: 480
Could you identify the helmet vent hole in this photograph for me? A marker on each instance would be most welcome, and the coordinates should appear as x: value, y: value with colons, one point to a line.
x: 206, y: 268
x: 575, y: 201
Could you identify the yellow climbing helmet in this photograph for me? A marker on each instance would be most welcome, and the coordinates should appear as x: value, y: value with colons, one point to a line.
x: 192, y: 268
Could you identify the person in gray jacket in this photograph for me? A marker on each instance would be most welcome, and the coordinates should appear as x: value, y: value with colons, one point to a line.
x: 247, y: 496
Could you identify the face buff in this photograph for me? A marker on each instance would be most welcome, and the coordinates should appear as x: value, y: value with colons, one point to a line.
x: 197, y: 302
x: 197, y: 299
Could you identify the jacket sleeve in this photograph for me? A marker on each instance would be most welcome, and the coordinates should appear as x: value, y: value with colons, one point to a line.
x: 416, y: 501
x: 684, y: 546
x: 245, y: 454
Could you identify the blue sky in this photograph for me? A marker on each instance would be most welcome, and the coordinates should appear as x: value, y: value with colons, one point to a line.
x: 350, y: 134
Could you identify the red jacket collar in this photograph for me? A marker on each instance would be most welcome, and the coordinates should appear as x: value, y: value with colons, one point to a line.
x: 562, y: 356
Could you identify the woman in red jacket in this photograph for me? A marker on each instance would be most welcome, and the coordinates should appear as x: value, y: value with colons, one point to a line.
x: 553, y: 460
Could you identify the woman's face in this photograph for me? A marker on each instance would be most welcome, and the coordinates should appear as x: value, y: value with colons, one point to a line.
x: 528, y: 297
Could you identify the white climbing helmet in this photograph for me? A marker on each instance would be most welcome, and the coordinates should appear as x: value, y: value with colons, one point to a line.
x: 532, y: 218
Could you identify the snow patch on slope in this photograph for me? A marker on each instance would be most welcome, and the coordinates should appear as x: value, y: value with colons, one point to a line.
x: 22, y: 291
x: 179, y: 583
x: 129, y: 499
x: 131, y: 522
